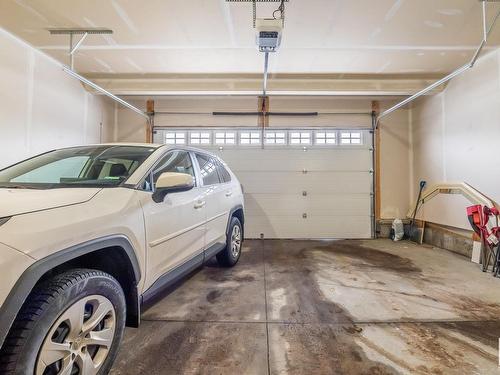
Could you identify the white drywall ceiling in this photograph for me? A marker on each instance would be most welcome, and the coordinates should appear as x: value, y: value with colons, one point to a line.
x: 212, y: 36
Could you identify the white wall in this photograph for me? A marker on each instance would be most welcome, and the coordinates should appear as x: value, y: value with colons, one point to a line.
x: 456, y: 137
x: 42, y: 108
x: 396, y: 189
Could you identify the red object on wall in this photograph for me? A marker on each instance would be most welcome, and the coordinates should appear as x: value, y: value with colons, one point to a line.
x: 475, y: 215
x: 478, y: 218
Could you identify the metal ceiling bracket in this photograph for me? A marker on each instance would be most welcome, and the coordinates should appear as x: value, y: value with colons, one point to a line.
x: 78, y: 44
x: 486, y: 33
x: 254, y: 6
x: 266, y: 66
x: 69, y: 69
x: 78, y: 31
x: 73, y: 49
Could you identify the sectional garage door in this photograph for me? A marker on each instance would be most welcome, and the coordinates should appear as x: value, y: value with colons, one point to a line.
x: 307, y: 183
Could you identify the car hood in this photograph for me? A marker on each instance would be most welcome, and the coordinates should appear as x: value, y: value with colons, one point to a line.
x: 23, y: 201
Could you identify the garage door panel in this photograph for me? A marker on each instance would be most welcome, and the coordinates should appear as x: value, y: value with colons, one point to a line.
x: 316, y: 183
x: 321, y: 204
x: 312, y: 227
x: 293, y: 160
x: 312, y: 183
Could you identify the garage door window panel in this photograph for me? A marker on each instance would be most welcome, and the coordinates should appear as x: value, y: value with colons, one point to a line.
x: 250, y: 138
x: 175, y: 138
x: 351, y: 138
x: 200, y: 138
x: 277, y: 138
x: 225, y: 138
x: 325, y: 138
x: 300, y: 138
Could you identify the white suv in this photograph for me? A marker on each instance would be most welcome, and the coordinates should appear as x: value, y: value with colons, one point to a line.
x: 88, y: 234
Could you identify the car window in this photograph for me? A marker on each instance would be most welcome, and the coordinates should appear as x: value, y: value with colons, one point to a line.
x: 174, y: 161
x: 208, y: 169
x: 223, y: 173
x: 117, y: 167
x: 53, y: 172
x: 104, y: 165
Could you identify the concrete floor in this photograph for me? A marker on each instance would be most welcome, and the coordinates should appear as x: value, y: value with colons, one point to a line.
x: 311, y: 307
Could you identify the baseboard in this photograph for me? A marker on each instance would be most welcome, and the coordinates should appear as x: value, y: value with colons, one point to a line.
x: 456, y: 240
x: 452, y: 239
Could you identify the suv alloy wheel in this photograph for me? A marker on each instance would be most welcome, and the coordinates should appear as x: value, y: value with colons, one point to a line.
x: 71, y: 324
x: 231, y: 254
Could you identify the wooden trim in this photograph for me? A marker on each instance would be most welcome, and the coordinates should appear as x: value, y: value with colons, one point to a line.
x: 376, y: 110
x: 150, y: 109
x: 263, y: 109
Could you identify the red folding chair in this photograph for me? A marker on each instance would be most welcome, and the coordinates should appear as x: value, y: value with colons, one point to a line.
x: 479, y: 217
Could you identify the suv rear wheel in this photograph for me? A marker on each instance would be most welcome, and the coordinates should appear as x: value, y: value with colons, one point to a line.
x: 70, y: 324
x: 230, y: 255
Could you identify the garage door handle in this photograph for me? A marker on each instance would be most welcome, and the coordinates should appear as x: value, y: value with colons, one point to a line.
x: 229, y: 193
x: 199, y: 205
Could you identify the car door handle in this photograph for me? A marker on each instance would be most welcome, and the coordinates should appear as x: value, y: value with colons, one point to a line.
x: 229, y: 193
x: 199, y: 204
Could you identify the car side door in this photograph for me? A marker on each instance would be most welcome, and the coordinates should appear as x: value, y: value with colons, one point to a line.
x: 230, y: 187
x: 175, y: 227
x: 213, y: 193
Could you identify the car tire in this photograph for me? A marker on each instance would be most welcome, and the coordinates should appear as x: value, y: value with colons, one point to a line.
x: 234, y: 240
x: 72, y: 320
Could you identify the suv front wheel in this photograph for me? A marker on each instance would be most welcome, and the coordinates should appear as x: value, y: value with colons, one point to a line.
x: 70, y: 324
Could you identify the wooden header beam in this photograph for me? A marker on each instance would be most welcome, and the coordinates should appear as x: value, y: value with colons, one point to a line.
x: 150, y: 110
x: 263, y: 109
x: 376, y: 158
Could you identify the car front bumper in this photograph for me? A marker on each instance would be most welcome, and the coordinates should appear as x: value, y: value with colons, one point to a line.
x: 12, y: 265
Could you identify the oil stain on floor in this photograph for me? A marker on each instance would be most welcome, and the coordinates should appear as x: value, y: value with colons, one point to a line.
x: 315, y: 307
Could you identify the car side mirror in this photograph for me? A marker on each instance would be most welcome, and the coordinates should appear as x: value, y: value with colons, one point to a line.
x: 171, y: 182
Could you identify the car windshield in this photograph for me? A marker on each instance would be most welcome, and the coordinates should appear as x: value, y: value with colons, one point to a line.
x: 96, y: 166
